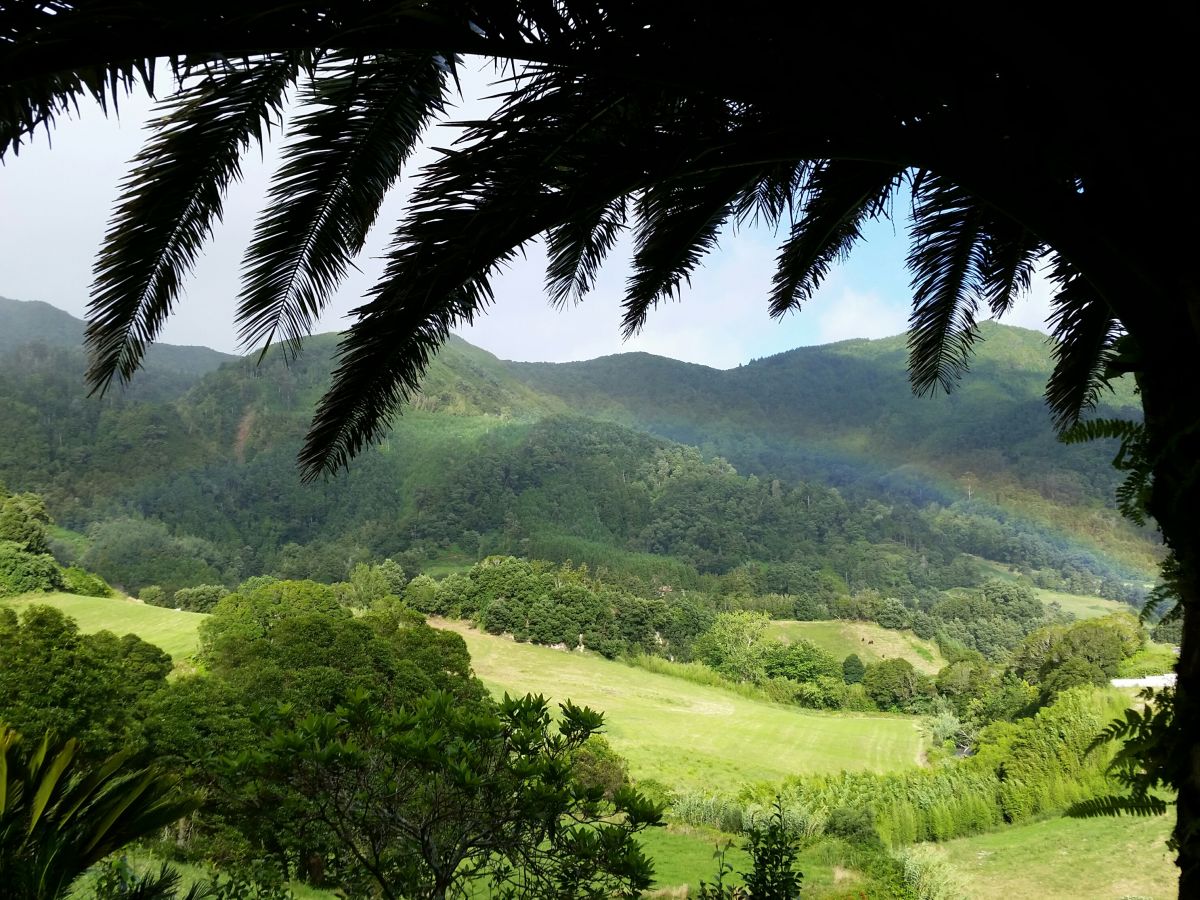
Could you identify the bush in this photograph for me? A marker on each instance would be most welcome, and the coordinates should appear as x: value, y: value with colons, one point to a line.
x: 853, y: 669
x: 201, y: 598
x: 85, y: 584
x: 153, y: 595
x: 853, y: 824
x: 597, y: 765
x: 22, y: 572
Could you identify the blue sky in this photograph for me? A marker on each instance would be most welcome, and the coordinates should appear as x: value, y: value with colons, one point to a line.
x: 56, y: 202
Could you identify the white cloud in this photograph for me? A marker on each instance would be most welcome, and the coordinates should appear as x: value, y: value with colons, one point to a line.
x: 858, y: 314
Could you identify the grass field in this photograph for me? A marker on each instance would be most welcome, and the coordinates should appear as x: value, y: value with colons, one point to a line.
x: 1083, y: 607
x: 1068, y: 859
x: 870, y: 641
x: 691, y: 736
x: 170, y: 629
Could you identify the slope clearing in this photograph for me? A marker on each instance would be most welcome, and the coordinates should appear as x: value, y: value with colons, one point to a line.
x: 171, y: 629
x: 869, y: 641
x: 690, y: 736
x: 1069, y: 859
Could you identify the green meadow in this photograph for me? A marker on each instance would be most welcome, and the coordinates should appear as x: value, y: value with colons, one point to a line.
x: 688, y: 736
x: 691, y: 736
x: 171, y: 629
x: 1081, y: 606
x: 870, y: 641
x: 1068, y: 859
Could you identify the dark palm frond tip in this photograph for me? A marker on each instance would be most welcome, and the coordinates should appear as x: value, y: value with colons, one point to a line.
x: 363, y: 119
x: 947, y: 262
x: 576, y: 249
x: 170, y: 202
x: 1086, y: 333
x: 1010, y: 254
x: 26, y: 106
x: 381, y: 360
x: 678, y: 224
x: 772, y: 194
x: 839, y: 196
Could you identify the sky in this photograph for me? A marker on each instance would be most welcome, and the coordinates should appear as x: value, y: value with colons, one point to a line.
x: 55, y: 199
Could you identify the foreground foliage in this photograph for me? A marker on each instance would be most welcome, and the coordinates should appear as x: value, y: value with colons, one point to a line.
x: 60, y: 814
x: 428, y: 799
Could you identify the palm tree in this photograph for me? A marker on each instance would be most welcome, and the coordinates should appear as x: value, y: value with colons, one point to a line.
x: 60, y: 815
x: 1031, y: 142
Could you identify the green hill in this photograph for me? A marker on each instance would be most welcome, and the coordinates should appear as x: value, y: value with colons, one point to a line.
x: 839, y: 474
x: 844, y: 414
x: 692, y: 736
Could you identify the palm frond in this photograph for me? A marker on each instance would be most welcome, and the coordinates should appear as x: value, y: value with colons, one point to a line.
x: 577, y: 248
x: 946, y: 260
x: 59, y: 815
x: 1010, y: 252
x: 475, y: 209
x: 678, y: 223
x: 363, y: 119
x: 1085, y: 332
x: 840, y: 196
x: 169, y: 204
x: 26, y: 106
x: 772, y: 194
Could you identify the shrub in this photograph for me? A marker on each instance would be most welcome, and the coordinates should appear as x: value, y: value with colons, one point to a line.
x: 22, y: 572
x: 85, y: 584
x: 153, y: 595
x: 853, y: 824
x: 201, y: 598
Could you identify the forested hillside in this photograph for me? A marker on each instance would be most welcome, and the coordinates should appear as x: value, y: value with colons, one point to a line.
x: 814, y: 472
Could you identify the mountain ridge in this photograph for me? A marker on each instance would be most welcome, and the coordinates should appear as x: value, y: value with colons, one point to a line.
x: 549, y: 454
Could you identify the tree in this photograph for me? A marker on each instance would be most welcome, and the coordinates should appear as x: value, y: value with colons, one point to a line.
x: 737, y: 645
x: 55, y: 679
x: 1020, y: 147
x: 853, y: 669
x: 427, y: 799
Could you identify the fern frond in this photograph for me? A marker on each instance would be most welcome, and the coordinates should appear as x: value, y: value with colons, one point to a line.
x: 1168, y: 590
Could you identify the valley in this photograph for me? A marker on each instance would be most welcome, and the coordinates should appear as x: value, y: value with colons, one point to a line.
x: 788, y: 583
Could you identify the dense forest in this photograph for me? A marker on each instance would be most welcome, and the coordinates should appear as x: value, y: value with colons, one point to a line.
x: 713, y: 478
